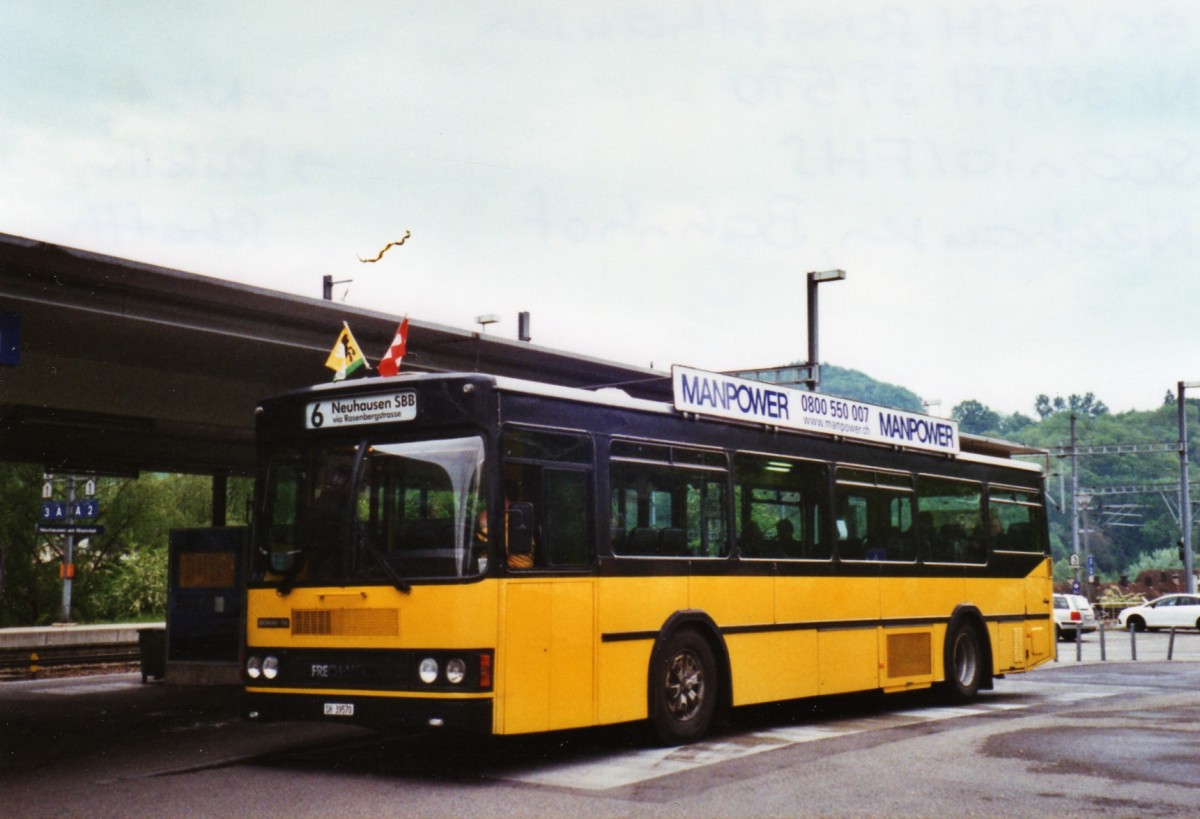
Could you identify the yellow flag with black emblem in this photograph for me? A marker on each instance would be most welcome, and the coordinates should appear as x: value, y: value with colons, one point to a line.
x: 346, y: 356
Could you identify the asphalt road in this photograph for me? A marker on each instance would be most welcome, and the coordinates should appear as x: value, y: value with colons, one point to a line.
x: 1071, y: 739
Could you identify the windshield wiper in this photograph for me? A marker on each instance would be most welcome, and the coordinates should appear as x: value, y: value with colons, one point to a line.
x: 398, y: 582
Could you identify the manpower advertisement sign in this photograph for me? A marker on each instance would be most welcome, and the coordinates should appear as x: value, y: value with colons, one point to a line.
x: 740, y: 399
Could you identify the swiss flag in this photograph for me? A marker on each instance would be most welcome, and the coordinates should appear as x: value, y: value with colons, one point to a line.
x: 390, y: 364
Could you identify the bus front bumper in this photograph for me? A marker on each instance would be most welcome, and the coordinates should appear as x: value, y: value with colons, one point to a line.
x: 385, y: 713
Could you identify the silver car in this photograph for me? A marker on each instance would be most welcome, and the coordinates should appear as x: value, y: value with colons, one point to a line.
x: 1168, y: 611
x: 1073, y: 615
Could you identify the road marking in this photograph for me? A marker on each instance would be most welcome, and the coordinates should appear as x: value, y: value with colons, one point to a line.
x: 631, y: 768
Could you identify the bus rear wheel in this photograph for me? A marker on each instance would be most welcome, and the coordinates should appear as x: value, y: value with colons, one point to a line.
x: 964, y: 663
x: 683, y: 689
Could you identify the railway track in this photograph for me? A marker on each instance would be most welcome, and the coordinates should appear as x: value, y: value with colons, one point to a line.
x: 45, y: 661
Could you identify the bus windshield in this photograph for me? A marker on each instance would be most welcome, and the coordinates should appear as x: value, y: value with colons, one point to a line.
x: 372, y: 512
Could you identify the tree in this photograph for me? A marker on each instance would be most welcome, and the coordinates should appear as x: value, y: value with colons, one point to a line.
x: 861, y: 387
x: 1085, y: 406
x: 975, y: 418
x: 30, y: 593
x: 1013, y: 424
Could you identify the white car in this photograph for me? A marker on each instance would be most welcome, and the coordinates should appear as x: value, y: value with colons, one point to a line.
x: 1073, y: 615
x: 1170, y: 610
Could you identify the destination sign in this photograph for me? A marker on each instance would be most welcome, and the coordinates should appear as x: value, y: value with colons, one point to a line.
x: 741, y: 399
x: 382, y: 408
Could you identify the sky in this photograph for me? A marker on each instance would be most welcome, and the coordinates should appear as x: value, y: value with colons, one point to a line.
x: 1011, y: 188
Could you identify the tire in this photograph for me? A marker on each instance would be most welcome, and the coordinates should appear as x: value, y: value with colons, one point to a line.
x: 1135, y: 624
x: 683, y: 689
x: 964, y: 663
x: 1058, y: 633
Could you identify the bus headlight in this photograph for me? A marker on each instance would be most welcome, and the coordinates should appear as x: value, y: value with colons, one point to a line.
x: 253, y: 668
x: 456, y: 671
x: 428, y: 671
x: 270, y: 668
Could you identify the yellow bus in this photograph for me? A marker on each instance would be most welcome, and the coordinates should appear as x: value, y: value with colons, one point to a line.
x: 474, y: 552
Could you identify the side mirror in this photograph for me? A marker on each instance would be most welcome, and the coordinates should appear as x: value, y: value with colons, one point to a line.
x: 519, y: 519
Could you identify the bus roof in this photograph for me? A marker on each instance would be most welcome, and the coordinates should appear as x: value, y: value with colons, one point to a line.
x: 973, y: 447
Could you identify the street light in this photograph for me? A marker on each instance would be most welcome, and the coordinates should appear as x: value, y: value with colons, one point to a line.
x: 1185, y: 501
x: 815, y: 278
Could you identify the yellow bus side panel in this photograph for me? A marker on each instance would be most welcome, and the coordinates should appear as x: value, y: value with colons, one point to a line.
x: 631, y: 606
x: 843, y: 599
x: 1038, y: 588
x: 997, y: 597
x: 730, y: 601
x: 802, y: 599
x: 769, y: 667
x: 756, y: 660
x: 638, y: 604
x: 849, y: 660
x: 838, y: 657
x: 546, y: 656
x: 903, y: 597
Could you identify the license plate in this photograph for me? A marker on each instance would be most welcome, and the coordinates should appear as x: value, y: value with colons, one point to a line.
x: 339, y: 709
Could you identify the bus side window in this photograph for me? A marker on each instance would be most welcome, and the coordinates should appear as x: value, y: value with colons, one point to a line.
x: 875, y: 515
x: 565, y: 520
x: 549, y: 472
x: 1016, y: 520
x: 675, y: 508
x: 778, y: 505
x: 950, y: 518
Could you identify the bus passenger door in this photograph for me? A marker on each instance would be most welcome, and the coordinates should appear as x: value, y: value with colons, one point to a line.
x: 547, y: 644
x: 547, y: 653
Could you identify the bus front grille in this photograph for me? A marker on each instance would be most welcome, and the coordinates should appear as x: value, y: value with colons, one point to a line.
x: 346, y: 622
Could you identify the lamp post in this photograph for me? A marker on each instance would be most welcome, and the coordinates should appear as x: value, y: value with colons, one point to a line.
x: 327, y: 284
x: 1081, y: 517
x: 815, y: 278
x: 1185, y: 501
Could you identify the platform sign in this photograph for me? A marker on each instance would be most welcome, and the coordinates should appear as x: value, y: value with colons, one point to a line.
x: 69, y: 529
x: 85, y: 509
x: 54, y: 511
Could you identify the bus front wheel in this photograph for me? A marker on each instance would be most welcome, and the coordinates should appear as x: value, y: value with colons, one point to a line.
x: 964, y: 663
x: 683, y: 689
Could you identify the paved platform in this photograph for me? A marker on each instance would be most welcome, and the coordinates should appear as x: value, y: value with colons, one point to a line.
x: 34, y: 638
x: 59, y: 641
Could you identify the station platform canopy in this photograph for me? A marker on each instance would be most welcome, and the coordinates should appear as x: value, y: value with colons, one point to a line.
x: 124, y: 367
